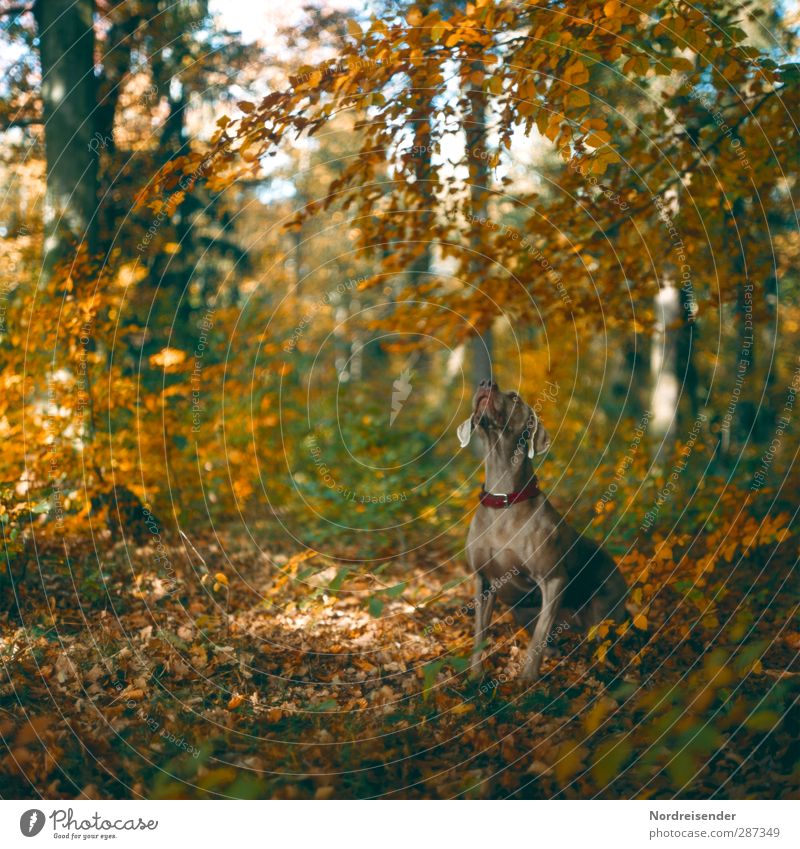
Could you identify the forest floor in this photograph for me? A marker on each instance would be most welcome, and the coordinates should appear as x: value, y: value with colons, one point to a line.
x: 243, y: 674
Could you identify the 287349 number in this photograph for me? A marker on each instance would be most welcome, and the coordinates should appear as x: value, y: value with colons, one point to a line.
x: 758, y: 832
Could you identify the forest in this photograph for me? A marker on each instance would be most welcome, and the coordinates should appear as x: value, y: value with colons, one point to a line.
x: 257, y: 257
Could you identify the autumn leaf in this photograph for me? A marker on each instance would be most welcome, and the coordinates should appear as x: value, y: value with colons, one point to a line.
x: 168, y: 358
x: 234, y: 702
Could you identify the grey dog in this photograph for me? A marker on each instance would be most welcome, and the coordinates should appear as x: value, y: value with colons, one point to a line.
x: 519, y: 547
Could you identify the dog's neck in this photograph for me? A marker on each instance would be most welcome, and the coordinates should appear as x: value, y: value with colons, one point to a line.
x: 504, y: 473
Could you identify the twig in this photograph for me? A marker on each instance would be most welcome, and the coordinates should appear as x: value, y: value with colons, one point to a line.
x: 202, y: 560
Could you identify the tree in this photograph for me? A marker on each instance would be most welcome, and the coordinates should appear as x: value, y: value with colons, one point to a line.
x: 544, y: 65
x: 66, y: 48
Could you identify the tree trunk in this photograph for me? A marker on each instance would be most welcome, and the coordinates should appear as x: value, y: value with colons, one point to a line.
x: 664, y: 369
x: 66, y: 48
x: 117, y: 52
x: 477, y: 158
x: 629, y: 378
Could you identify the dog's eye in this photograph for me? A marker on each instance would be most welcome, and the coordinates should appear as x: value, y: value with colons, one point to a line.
x: 514, y: 396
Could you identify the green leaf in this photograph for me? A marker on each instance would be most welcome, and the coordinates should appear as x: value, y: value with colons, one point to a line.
x: 322, y: 707
x: 429, y: 673
x: 338, y: 579
x: 612, y: 754
x: 396, y: 590
x: 459, y: 664
x: 763, y: 720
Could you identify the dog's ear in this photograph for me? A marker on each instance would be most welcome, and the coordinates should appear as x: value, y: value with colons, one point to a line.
x: 539, y: 440
x: 464, y: 432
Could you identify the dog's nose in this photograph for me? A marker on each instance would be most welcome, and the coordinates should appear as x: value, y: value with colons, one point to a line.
x: 487, y: 384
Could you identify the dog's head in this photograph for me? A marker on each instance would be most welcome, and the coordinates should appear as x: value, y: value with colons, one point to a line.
x: 504, y: 420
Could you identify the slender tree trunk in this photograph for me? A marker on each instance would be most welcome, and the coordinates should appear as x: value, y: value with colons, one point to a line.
x: 116, y: 65
x: 686, y: 344
x: 664, y: 369
x: 629, y: 378
x: 66, y: 48
x: 481, y: 349
x: 425, y: 215
x: 421, y: 117
x: 479, y: 176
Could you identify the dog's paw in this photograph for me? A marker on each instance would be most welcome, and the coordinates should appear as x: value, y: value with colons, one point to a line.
x: 529, y: 675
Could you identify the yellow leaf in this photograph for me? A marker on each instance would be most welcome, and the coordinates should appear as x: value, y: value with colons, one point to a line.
x: 578, y: 98
x: 168, y: 358
x: 640, y: 621
x: 414, y: 16
x: 600, y: 710
x: 496, y: 85
x: 598, y: 138
x: 354, y: 29
x: 134, y: 695
x: 221, y: 578
x: 246, y: 105
x: 570, y: 760
x: 611, y: 8
x: 235, y: 701
x: 552, y: 131
x: 611, y: 754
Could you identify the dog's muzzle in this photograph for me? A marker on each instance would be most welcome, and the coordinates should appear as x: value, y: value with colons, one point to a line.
x: 485, y: 413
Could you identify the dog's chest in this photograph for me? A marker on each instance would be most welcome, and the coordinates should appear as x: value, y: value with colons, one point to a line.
x: 510, y: 545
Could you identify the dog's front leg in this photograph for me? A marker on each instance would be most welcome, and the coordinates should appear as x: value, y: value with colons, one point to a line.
x: 552, y: 588
x: 485, y: 594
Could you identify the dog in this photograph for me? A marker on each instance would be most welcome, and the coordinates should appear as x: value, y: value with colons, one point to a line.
x: 519, y: 547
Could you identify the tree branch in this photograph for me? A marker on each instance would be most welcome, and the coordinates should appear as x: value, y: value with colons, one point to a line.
x: 703, y: 151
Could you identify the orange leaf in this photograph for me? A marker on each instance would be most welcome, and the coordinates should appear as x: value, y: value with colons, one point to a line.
x: 236, y: 700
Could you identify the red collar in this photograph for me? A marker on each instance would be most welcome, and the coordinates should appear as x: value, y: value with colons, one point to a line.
x: 495, y: 499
